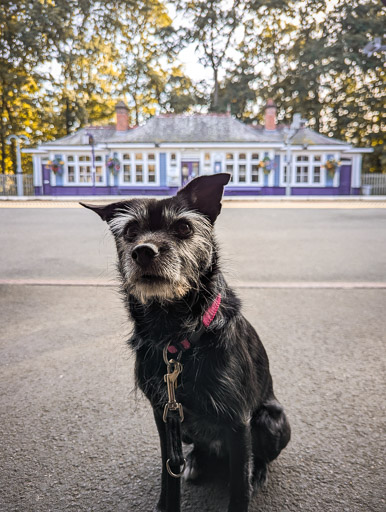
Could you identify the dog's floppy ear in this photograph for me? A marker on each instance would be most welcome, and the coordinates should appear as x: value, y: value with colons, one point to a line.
x: 205, y: 192
x: 105, y: 212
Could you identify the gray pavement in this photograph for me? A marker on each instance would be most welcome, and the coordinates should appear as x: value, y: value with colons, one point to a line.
x: 77, y: 436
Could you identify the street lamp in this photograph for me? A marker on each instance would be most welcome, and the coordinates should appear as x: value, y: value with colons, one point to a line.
x: 19, y: 171
x: 296, y: 124
x: 91, y: 141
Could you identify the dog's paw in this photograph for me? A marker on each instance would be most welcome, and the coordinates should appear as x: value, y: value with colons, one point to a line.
x: 260, y: 477
x: 191, y: 472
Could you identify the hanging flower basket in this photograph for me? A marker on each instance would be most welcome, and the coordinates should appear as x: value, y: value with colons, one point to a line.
x: 114, y: 165
x: 56, y: 165
x: 266, y: 165
x: 332, y: 166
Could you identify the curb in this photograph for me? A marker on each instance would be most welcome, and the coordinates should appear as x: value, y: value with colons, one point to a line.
x: 262, y: 199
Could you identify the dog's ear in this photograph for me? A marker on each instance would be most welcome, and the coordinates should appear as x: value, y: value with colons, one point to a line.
x: 105, y: 212
x: 204, y: 194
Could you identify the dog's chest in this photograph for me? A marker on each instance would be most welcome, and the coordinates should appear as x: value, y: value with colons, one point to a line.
x: 200, y: 392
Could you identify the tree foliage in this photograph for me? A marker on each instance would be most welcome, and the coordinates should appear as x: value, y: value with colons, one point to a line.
x: 65, y: 63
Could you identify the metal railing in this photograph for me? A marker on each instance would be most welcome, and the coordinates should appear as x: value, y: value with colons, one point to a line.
x: 374, y: 184
x: 8, y: 185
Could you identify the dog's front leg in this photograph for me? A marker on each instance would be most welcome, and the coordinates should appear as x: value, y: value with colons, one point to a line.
x: 240, y: 459
x: 169, y: 500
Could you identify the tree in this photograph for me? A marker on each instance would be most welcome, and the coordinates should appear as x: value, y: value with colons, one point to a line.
x: 310, y: 60
x: 211, y: 25
x: 26, y: 30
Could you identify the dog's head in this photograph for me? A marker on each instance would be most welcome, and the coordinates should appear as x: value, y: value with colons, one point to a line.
x: 165, y: 246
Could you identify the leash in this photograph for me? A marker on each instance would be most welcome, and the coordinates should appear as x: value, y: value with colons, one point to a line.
x: 173, y: 414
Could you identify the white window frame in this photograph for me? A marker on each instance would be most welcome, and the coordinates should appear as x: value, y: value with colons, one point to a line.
x: 311, y: 164
x: 234, y: 179
x: 206, y: 166
x: 260, y: 181
x: 243, y: 161
x: 145, y: 168
x: 77, y: 163
x: 248, y: 162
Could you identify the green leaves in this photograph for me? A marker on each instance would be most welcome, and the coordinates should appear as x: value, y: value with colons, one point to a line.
x: 65, y: 63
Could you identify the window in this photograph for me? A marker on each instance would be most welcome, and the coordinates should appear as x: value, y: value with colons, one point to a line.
x: 242, y: 156
x: 71, y: 173
x: 139, y: 173
x: 207, y: 158
x: 255, y: 156
x: 285, y: 173
x: 84, y: 171
x: 138, y: 156
x: 151, y: 156
x: 229, y: 168
x: 305, y: 170
x: 301, y: 174
x: 126, y: 172
x: 151, y: 173
x: 98, y: 174
x: 173, y: 157
x: 255, y: 173
x: 242, y: 173
x: 317, y: 174
x: 79, y: 169
x: 126, y: 156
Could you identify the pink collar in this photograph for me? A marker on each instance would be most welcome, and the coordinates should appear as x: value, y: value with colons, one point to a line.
x: 207, y: 319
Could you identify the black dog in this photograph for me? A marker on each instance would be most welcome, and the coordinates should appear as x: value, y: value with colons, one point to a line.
x: 187, y: 320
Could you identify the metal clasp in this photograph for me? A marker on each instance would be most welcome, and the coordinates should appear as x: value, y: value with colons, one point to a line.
x: 174, y: 369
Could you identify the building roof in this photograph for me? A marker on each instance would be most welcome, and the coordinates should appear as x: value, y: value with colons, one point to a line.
x: 196, y: 128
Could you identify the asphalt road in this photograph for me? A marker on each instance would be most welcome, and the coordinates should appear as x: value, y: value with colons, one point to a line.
x: 75, y: 435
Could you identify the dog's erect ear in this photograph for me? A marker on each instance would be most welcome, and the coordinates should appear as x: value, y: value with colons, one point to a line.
x: 105, y: 212
x: 205, y: 192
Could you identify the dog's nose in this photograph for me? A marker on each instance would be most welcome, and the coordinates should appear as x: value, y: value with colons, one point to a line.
x: 143, y: 254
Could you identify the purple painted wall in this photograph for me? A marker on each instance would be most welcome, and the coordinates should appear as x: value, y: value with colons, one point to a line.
x: 343, y: 189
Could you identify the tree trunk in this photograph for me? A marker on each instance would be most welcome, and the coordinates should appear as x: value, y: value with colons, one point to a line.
x: 68, y: 117
x: 2, y: 136
x: 215, y: 90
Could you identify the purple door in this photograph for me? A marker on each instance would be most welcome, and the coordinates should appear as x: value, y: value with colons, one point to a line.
x: 189, y: 170
x: 345, y: 180
x: 46, y: 181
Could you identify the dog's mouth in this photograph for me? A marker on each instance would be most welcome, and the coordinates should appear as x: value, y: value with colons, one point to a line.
x: 152, y: 279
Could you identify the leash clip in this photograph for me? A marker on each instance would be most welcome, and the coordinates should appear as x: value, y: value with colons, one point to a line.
x: 174, y: 370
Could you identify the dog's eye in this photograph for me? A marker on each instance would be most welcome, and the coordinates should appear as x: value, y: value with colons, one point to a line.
x: 183, y: 229
x: 131, y: 231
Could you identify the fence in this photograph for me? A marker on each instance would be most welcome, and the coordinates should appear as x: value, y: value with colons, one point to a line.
x: 8, y: 185
x: 374, y: 184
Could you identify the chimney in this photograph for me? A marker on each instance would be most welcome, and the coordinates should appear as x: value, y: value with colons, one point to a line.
x: 270, y: 115
x: 122, y: 115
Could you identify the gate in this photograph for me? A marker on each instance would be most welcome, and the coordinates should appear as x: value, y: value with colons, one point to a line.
x: 376, y: 183
x: 8, y: 185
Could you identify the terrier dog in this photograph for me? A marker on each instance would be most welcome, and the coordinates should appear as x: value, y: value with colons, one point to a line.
x: 188, y: 320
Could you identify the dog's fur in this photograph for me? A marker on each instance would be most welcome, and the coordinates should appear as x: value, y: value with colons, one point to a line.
x: 225, y: 389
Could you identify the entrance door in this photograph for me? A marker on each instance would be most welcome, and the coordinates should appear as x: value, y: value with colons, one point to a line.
x: 46, y: 180
x: 345, y: 179
x: 189, y: 170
